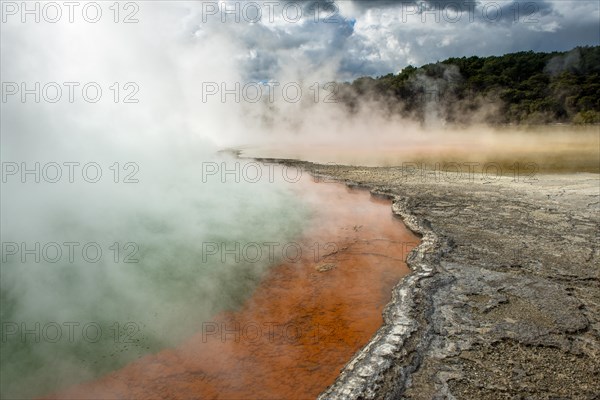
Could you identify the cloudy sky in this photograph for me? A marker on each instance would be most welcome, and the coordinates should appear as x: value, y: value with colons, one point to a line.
x: 376, y: 37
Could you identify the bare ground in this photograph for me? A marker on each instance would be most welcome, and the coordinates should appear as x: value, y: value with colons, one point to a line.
x: 504, y: 298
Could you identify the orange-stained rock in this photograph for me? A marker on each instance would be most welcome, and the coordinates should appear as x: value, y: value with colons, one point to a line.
x: 302, y: 324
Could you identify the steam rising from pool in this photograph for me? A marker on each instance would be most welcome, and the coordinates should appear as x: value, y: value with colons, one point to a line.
x: 150, y: 211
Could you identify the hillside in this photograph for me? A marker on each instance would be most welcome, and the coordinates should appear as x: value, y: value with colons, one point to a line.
x: 521, y: 88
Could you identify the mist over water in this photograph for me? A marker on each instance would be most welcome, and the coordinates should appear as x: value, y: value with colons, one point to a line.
x: 158, y: 290
x: 136, y: 192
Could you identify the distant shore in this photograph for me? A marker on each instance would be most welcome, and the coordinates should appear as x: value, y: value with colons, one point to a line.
x: 503, y: 298
x: 506, y: 151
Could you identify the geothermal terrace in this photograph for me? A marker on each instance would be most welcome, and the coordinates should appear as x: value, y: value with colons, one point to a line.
x: 504, y: 297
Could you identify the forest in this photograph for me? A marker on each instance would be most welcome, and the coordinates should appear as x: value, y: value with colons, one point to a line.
x: 518, y: 88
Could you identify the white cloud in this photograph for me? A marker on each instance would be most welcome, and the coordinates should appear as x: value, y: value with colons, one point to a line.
x: 378, y: 37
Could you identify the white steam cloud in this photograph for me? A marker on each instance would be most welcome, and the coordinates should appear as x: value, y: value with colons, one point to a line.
x: 152, y: 198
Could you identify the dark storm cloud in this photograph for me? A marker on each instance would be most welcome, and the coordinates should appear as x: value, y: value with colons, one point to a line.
x: 515, y: 11
x: 378, y: 4
x: 367, y: 4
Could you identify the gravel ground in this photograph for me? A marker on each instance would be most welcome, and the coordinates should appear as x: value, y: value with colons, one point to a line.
x: 504, y: 298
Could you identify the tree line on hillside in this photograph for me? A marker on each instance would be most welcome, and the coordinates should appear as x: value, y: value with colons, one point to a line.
x: 518, y: 88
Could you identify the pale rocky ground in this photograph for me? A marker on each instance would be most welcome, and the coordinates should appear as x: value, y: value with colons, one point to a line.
x: 504, y: 300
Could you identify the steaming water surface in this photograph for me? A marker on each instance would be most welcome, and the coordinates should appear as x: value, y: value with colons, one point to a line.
x: 302, y: 323
x: 70, y: 320
x: 544, y: 149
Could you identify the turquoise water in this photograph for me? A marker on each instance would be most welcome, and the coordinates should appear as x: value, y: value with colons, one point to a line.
x: 65, y: 322
x: 150, y: 204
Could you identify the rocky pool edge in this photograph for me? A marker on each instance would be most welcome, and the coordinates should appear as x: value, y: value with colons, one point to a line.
x: 474, y: 318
